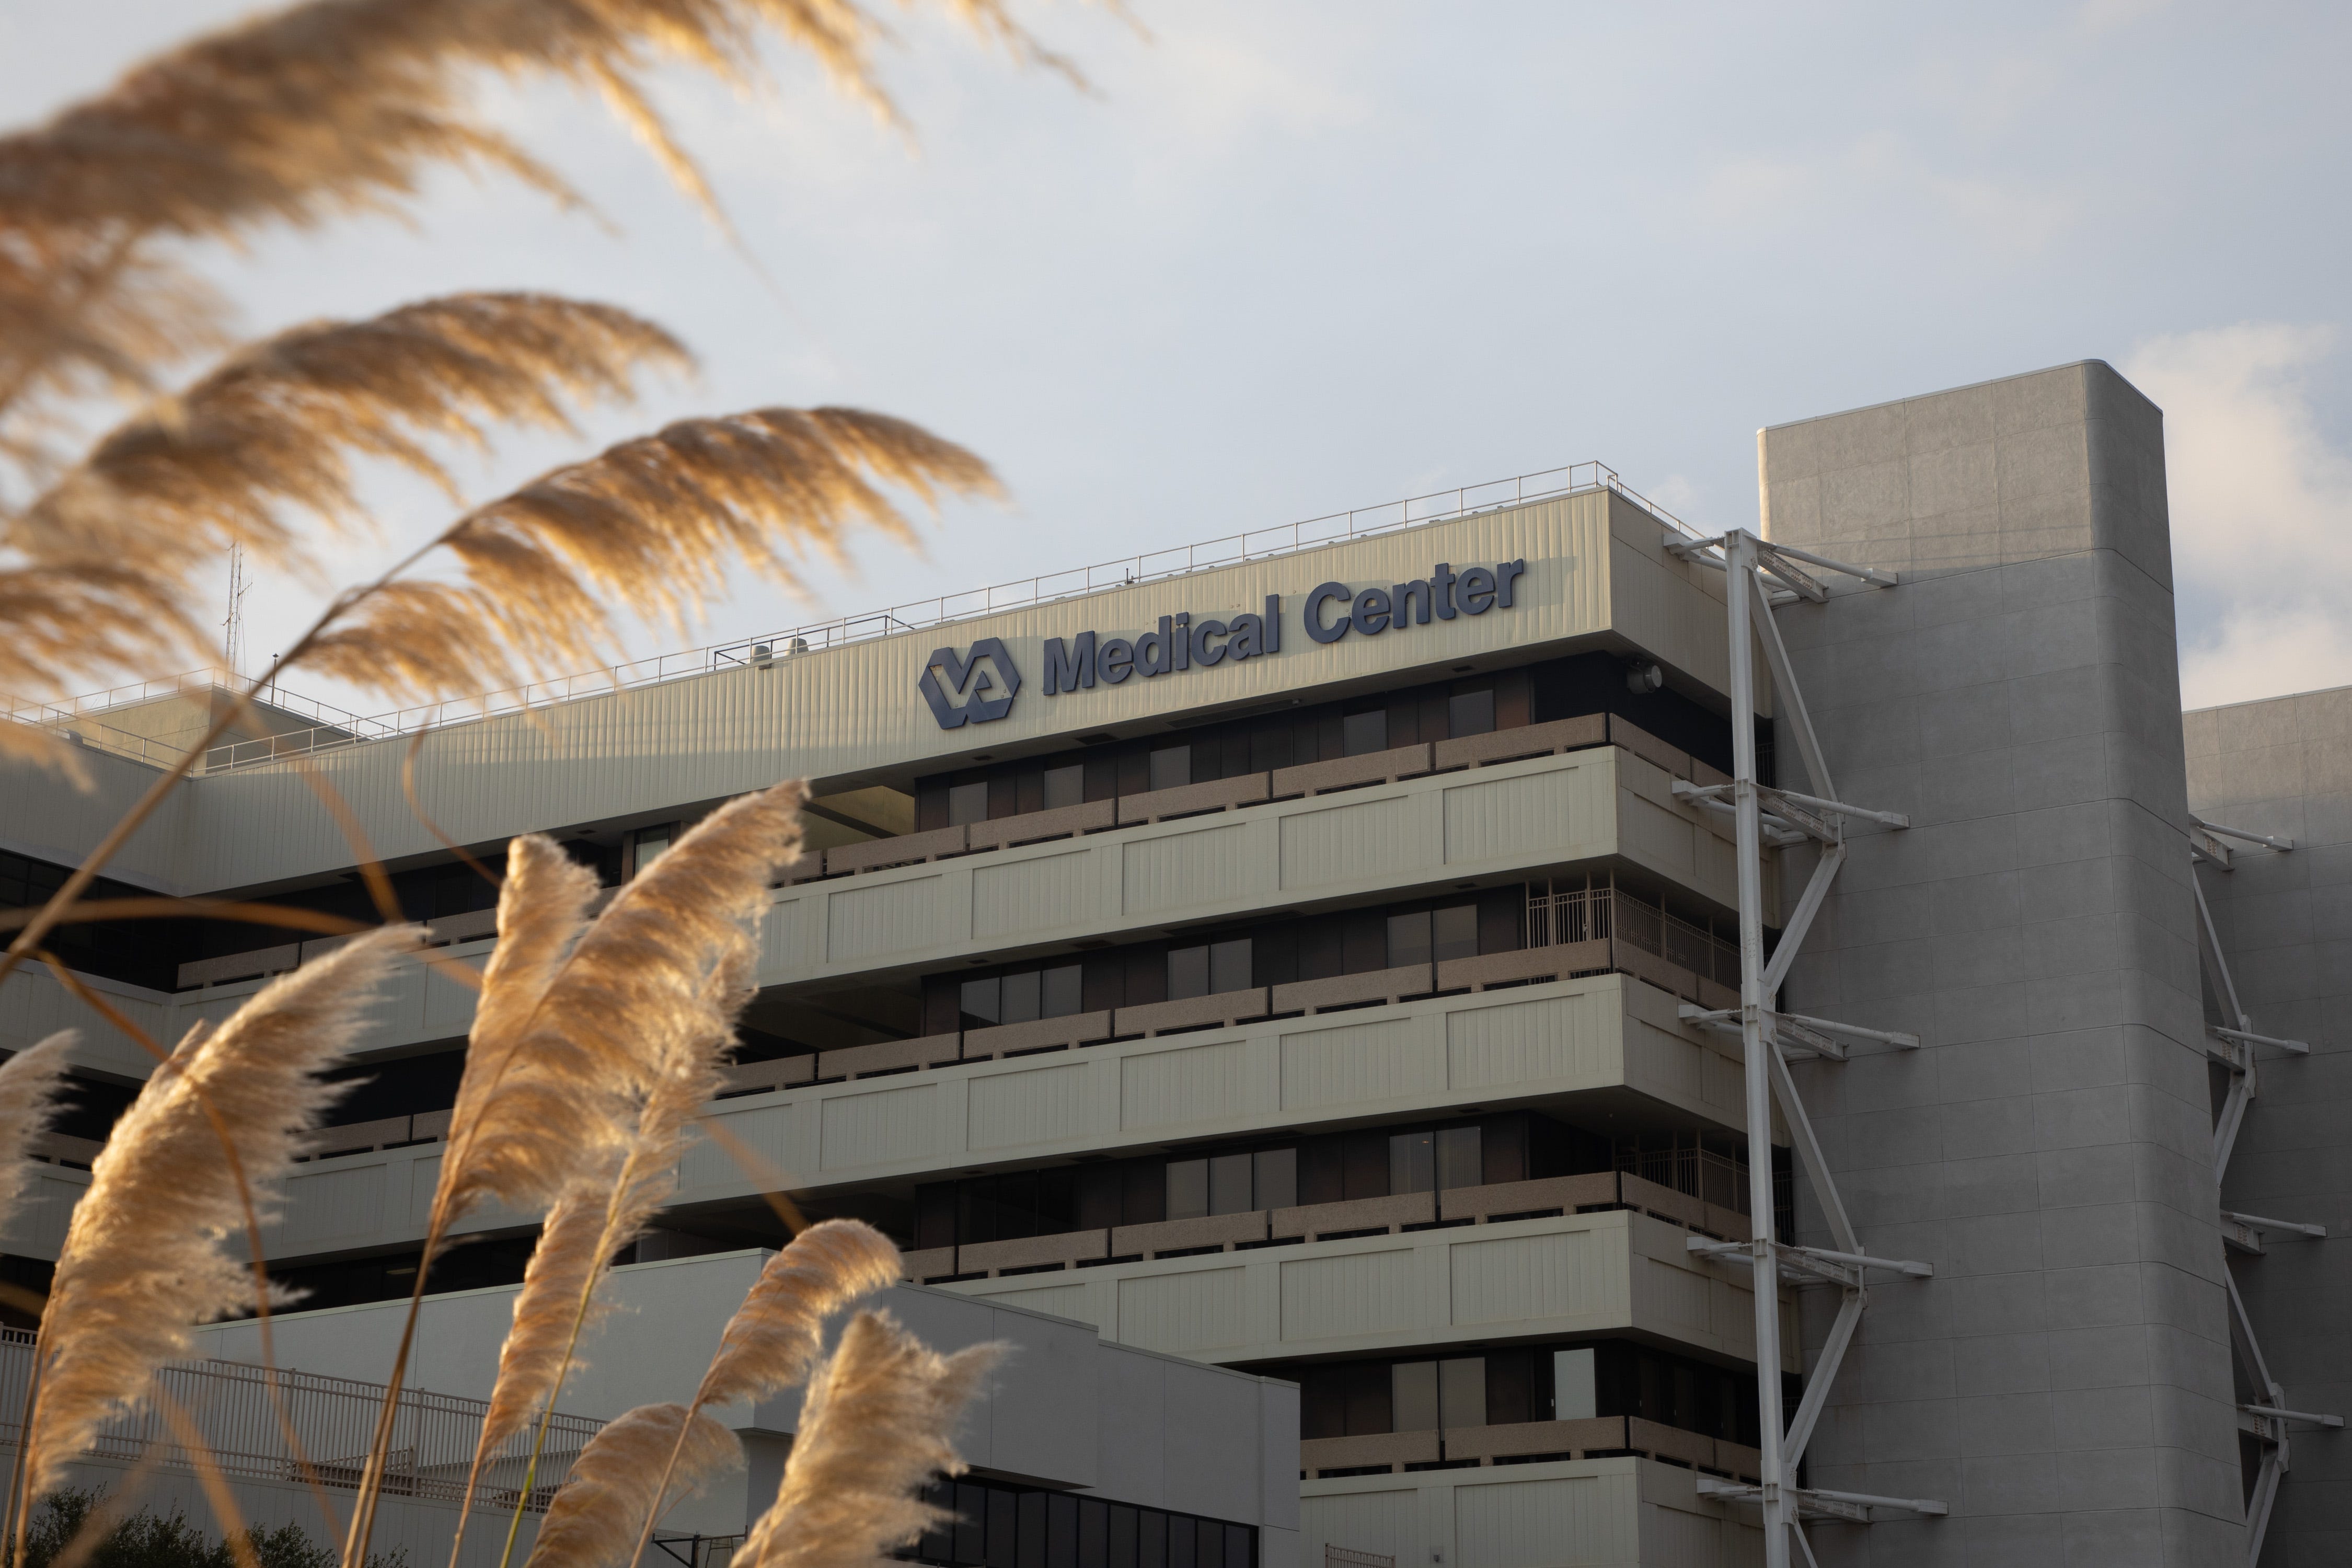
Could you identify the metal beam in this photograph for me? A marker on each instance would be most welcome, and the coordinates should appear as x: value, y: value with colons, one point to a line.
x: 2270, y: 1413
x: 1808, y: 1154
x: 1800, y: 919
x: 2281, y: 845
x: 1825, y: 1370
x: 1868, y: 574
x: 2300, y: 1047
x: 2255, y: 1222
x: 1787, y: 699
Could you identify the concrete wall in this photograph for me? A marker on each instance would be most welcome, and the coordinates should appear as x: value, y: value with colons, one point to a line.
x: 1066, y: 1410
x: 2063, y: 1381
x: 2285, y: 768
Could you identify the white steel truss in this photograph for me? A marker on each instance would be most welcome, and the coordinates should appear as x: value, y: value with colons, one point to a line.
x: 2267, y: 1418
x: 1762, y: 574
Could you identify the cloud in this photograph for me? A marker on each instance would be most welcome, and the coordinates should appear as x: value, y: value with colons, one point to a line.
x: 2262, y: 510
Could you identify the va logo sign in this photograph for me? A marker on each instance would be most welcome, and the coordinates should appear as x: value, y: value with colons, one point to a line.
x: 963, y: 690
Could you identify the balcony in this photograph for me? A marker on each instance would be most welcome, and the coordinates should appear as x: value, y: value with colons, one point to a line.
x: 1525, y: 1441
x: 1615, y: 1271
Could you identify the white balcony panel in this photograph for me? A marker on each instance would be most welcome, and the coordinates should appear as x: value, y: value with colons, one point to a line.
x: 1571, y: 1274
x: 1626, y: 1512
x: 1042, y: 1105
x: 1386, y: 1060
x: 1433, y: 1056
x: 1192, y: 1312
x: 1340, y: 843
x: 1189, y: 868
x: 880, y: 1126
x: 328, y: 1208
x: 1187, y: 1084
x: 1494, y: 819
x: 883, y: 918
x: 1020, y: 896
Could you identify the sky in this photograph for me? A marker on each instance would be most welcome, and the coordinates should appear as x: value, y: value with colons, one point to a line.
x: 1284, y: 259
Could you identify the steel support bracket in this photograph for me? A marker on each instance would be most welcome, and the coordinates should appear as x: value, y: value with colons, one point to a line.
x: 1847, y: 1508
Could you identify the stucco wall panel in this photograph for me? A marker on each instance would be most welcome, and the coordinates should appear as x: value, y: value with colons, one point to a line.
x: 333, y: 1204
x: 1535, y: 1524
x: 1577, y: 1036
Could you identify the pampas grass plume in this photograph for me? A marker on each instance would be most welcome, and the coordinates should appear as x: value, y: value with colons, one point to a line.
x: 775, y: 1336
x: 594, y: 1517
x: 29, y: 1082
x: 877, y: 1422
x: 143, y: 1259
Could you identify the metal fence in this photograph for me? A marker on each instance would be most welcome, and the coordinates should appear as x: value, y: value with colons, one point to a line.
x: 1561, y: 910
x: 304, y: 1427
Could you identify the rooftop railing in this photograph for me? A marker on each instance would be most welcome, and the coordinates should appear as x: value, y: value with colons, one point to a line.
x: 337, y: 729
x: 323, y: 1435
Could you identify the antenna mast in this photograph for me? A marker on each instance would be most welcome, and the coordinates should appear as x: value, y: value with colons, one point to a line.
x: 233, y: 623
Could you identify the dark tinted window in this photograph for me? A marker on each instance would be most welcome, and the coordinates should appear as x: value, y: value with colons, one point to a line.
x: 1065, y: 785
x: 1470, y: 712
x: 1363, y: 733
x: 1172, y: 766
x: 968, y: 803
x: 1454, y: 933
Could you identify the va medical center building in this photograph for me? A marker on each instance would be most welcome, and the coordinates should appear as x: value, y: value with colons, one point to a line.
x: 1325, y: 969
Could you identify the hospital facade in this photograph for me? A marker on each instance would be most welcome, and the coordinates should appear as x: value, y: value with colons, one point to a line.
x: 1316, y: 966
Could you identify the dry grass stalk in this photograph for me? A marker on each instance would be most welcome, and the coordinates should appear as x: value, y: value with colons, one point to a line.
x: 73, y: 623
x: 326, y: 109
x: 877, y: 1422
x: 776, y: 1336
x: 143, y: 1259
x: 594, y: 1517
x: 279, y: 424
x: 571, y: 1042
x: 653, y: 523
x: 29, y: 1083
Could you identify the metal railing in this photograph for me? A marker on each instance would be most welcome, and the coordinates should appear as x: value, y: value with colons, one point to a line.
x: 337, y: 729
x: 1559, y: 912
x: 327, y: 1426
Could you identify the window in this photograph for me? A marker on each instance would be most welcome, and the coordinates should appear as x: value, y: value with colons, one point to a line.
x: 1233, y: 1183
x: 1408, y: 939
x: 1458, y: 1158
x: 646, y: 844
x: 1461, y: 1392
x: 1229, y: 1185
x: 1439, y: 935
x: 1275, y: 1175
x: 1425, y: 1162
x: 967, y: 802
x: 1209, y: 969
x: 1454, y: 933
x: 1065, y: 786
x: 1412, y: 1394
x: 1022, y: 997
x: 1364, y: 732
x: 1470, y: 712
x: 1188, y: 1189
x: 1413, y: 1162
x: 1172, y: 766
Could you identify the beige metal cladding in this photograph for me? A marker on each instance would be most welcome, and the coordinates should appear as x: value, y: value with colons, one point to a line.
x: 1420, y: 1290
x: 1512, y: 817
x: 1605, y: 1034
x: 1594, y: 567
x: 1620, y: 1511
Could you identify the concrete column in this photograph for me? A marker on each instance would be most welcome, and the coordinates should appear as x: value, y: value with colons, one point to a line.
x: 2065, y: 1381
